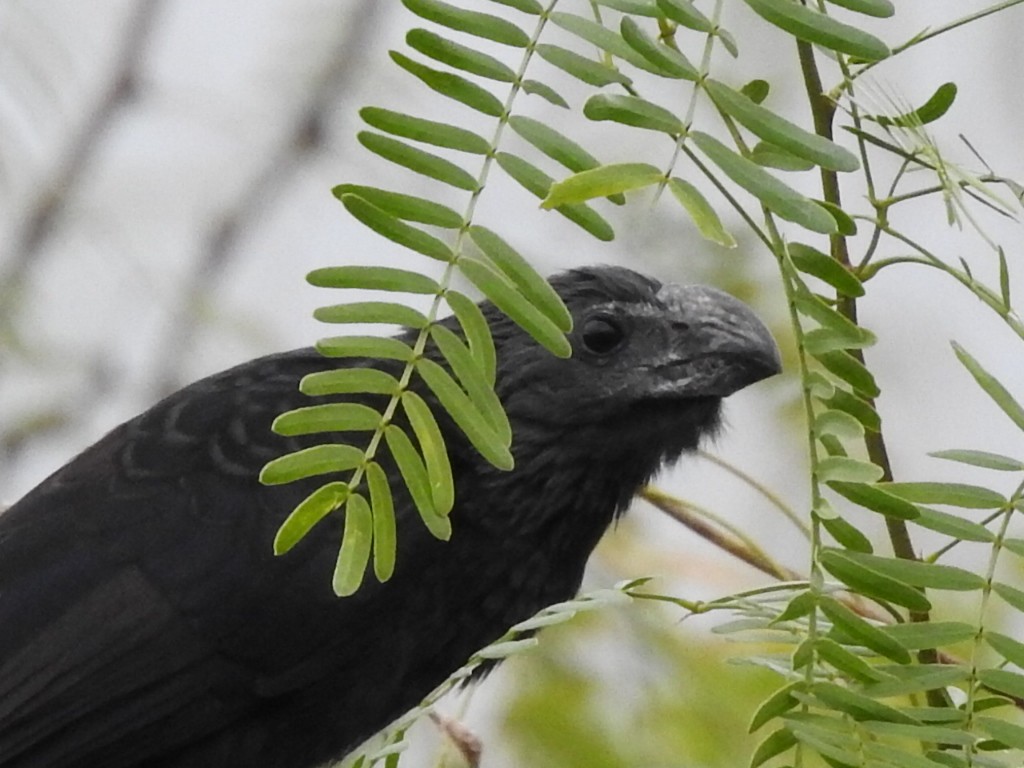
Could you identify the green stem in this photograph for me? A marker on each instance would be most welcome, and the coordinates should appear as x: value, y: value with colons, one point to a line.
x: 975, y: 685
x: 937, y: 31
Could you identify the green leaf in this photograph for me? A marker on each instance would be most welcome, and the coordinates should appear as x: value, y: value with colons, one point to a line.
x: 813, y: 262
x: 425, y: 131
x: 1004, y: 276
x: 846, y: 662
x: 308, y: 462
x: 918, y: 635
x: 882, y: 9
x: 829, y: 737
x: 953, y: 494
x: 477, y: 333
x: 535, y: 181
x: 414, y: 473
x: 775, y: 705
x: 770, y: 127
x: 345, y: 381
x: 587, y: 70
x: 858, y: 706
x: 811, y: 305
x: 771, y: 155
x: 526, y: 6
x: 993, y: 388
x: 364, y: 346
x: 1011, y: 595
x: 981, y: 459
x: 838, y: 423
x: 701, y: 212
x: 388, y: 312
x: 920, y: 574
x: 455, y: 87
x: 951, y: 525
x: 845, y: 534
x: 861, y: 632
x: 876, y: 499
x: 634, y: 111
x: 355, y: 546
x: 728, y: 41
x: 1010, y: 649
x: 329, y: 417
x: 776, y: 196
x: 546, y: 92
x: 844, y: 469
x: 848, y: 368
x: 778, y: 741
x: 416, y: 160
x: 847, y: 226
x: 1004, y: 681
x: 936, y: 106
x: 523, y: 276
x: 1014, y: 545
x: 668, y: 61
x: 396, y: 230
x: 685, y: 13
x: 756, y: 90
x: 915, y: 678
x: 820, y: 386
x: 870, y: 582
x: 405, y: 207
x: 604, y: 38
x: 465, y: 414
x: 471, y: 22
x: 634, y: 7
x: 920, y: 733
x: 374, y: 279
x: 473, y: 381
x: 814, y: 27
x: 459, y: 56
x: 520, y: 309
x: 603, y: 181
x: 555, y: 145
x: 860, y: 409
x: 382, y: 503
x: 821, y: 341
x: 801, y: 605
x: 308, y: 513
x: 435, y: 455
x: 1010, y: 734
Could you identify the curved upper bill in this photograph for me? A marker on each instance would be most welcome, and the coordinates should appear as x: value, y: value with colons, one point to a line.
x: 720, y: 345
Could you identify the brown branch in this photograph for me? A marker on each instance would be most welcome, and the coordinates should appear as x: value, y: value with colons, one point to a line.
x: 823, y: 111
x: 51, y: 199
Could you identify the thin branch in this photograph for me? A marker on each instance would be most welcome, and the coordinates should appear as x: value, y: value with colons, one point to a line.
x: 50, y: 203
x: 775, y: 500
x: 739, y: 547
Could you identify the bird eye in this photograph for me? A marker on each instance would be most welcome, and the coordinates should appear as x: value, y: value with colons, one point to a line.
x: 602, y: 334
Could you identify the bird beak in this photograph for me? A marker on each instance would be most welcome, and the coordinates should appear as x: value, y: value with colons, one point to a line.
x: 720, y: 345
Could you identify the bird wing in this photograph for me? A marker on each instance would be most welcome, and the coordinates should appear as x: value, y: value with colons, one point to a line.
x: 141, y: 607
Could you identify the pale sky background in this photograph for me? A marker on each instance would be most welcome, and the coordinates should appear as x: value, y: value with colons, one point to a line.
x: 187, y: 215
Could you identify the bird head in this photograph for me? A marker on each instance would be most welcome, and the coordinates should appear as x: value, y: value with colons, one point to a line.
x: 650, y: 365
x: 638, y: 346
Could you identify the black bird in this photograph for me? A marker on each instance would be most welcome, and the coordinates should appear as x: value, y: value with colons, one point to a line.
x: 144, y: 620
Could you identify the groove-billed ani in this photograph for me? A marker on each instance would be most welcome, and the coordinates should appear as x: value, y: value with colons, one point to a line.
x: 144, y: 620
